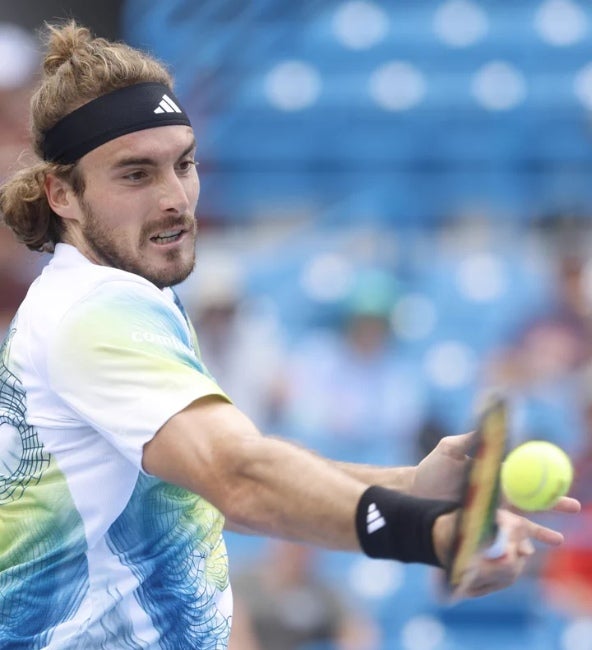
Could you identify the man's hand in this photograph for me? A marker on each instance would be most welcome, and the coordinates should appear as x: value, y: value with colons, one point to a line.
x: 440, y: 474
x: 486, y: 575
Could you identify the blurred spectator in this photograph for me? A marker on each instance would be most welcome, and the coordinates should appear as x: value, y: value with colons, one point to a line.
x: 543, y: 365
x: 281, y: 603
x: 567, y: 571
x: 18, y: 66
x: 240, y: 342
x: 364, y: 398
x: 19, y: 61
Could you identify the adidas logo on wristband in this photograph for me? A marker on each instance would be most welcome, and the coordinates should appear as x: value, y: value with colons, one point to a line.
x: 374, y: 519
x: 393, y: 525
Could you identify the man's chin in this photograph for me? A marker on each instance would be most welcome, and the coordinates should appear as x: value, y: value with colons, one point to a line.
x: 171, y: 277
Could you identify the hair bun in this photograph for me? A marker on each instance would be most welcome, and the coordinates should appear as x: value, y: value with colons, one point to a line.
x: 63, y: 43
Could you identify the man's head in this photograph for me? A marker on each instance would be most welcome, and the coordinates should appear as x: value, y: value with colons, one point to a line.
x: 116, y: 176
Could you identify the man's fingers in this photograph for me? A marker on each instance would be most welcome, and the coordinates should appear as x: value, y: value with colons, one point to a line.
x: 568, y: 505
x: 521, y: 529
x: 565, y: 505
x: 545, y: 535
x: 491, y: 574
x: 458, y: 446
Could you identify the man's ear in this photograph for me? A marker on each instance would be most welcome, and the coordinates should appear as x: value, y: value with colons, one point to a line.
x: 61, y: 197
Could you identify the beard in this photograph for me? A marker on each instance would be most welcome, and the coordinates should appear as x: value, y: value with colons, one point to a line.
x: 174, y: 267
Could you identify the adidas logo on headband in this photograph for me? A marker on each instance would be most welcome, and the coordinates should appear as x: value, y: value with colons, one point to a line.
x: 167, y: 105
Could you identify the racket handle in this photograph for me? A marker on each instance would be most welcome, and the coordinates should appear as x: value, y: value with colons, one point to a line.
x: 497, y: 548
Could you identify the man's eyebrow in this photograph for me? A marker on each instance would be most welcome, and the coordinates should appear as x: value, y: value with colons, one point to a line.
x: 130, y: 161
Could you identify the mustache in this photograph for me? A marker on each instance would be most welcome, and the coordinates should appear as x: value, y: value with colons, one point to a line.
x: 181, y: 222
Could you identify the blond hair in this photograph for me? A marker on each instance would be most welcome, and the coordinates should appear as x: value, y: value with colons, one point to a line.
x: 77, y: 69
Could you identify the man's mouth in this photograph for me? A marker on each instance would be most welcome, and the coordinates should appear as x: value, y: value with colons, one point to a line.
x: 168, y: 236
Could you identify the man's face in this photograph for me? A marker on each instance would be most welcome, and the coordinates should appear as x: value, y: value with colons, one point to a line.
x: 137, y: 212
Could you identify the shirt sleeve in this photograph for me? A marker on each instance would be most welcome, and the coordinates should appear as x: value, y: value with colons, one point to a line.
x: 124, y: 359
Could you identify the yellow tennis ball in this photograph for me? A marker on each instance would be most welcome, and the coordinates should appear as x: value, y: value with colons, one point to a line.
x: 535, y: 475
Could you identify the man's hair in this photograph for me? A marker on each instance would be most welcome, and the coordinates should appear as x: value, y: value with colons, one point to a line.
x: 77, y: 68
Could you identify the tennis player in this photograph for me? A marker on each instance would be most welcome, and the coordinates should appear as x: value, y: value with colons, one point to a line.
x: 120, y: 456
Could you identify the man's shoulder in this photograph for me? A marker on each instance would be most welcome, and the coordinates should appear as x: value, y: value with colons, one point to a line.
x: 70, y: 269
x: 70, y: 278
x: 89, y: 293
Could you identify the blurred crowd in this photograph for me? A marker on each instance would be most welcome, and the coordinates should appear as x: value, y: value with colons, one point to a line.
x: 370, y: 343
x: 19, y: 66
x: 373, y: 346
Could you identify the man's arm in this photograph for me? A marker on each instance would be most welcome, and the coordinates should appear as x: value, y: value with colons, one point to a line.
x: 260, y: 483
x: 395, y: 478
x: 272, y: 487
x: 438, y: 476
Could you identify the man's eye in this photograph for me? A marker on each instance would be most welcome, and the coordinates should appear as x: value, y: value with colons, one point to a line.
x: 135, y: 176
x: 186, y: 165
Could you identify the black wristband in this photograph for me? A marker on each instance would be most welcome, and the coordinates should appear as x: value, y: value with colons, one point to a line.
x: 396, y: 526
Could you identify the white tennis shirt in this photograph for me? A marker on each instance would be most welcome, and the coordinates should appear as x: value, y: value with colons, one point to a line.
x: 95, y: 553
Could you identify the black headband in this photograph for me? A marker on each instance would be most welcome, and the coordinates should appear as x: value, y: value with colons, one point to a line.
x: 129, y: 109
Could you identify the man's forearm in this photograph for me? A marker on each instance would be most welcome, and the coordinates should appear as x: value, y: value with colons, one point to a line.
x: 395, y: 478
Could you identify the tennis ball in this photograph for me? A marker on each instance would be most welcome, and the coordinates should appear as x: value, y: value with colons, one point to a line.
x: 535, y: 475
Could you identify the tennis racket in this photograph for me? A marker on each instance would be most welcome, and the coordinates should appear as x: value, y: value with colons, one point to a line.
x: 476, y: 529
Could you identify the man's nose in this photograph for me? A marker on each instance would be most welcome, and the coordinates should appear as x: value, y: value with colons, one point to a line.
x: 173, y: 197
